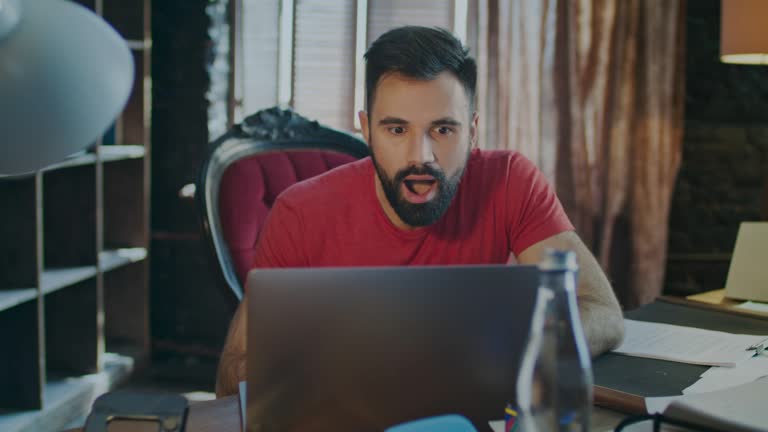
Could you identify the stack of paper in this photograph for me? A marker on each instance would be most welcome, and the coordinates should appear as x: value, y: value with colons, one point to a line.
x: 754, y: 306
x: 685, y: 344
x: 718, y: 378
x: 737, y: 409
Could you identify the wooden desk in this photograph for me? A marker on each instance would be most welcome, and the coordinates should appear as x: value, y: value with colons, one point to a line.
x: 220, y: 415
x: 223, y: 415
x: 716, y: 299
x: 623, y: 382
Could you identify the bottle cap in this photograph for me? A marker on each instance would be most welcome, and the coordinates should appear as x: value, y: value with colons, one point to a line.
x: 558, y: 260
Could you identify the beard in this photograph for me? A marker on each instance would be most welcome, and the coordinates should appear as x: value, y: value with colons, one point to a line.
x: 422, y: 214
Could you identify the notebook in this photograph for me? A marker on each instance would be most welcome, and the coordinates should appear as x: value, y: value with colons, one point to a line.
x: 748, y: 273
x: 737, y: 409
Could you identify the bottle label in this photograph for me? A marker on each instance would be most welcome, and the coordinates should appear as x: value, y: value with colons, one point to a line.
x: 510, y: 419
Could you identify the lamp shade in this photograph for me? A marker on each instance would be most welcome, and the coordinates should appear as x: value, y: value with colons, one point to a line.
x: 744, y: 31
x: 65, y: 75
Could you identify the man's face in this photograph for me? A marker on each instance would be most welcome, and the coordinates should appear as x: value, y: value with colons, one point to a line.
x: 420, y: 134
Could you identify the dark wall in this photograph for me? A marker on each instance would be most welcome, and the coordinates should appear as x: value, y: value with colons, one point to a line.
x: 725, y: 157
x: 190, y: 312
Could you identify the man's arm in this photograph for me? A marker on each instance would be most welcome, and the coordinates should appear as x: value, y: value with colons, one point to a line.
x: 232, y: 361
x: 600, y: 312
x: 279, y: 245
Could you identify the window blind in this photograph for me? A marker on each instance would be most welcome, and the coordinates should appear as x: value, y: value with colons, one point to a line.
x: 324, y: 63
x: 384, y: 15
x: 324, y: 37
x: 259, y: 63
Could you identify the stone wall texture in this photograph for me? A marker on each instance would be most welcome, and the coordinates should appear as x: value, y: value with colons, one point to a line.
x: 725, y: 157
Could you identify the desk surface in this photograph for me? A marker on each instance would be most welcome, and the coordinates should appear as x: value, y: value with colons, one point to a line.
x: 717, y: 300
x: 222, y: 415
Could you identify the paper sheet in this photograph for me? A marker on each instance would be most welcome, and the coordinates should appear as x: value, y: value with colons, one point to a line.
x: 736, y: 409
x: 685, y: 344
x: 242, y: 386
x: 744, y: 402
x: 656, y: 405
x: 754, y: 306
x: 718, y: 378
x: 497, y: 425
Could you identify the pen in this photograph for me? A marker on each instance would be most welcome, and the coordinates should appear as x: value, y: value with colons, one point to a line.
x: 758, y: 346
x: 759, y: 350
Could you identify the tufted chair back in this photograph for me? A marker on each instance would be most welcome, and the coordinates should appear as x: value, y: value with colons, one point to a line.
x: 245, y: 171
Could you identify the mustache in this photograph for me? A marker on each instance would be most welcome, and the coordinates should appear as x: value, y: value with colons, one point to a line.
x: 419, y: 170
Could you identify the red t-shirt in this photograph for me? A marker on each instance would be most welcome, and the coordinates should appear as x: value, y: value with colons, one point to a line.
x: 503, y: 204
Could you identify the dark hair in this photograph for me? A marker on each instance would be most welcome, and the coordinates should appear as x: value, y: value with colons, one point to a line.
x: 421, y: 53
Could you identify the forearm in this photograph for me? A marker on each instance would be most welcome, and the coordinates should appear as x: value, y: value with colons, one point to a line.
x: 603, y: 325
x: 231, y: 372
x: 598, y: 308
x: 232, y: 362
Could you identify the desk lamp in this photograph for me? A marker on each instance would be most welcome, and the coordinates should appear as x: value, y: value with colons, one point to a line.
x: 65, y: 75
x: 744, y: 40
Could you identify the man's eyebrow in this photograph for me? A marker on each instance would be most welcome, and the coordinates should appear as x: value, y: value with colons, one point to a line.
x: 392, y: 121
x: 446, y: 121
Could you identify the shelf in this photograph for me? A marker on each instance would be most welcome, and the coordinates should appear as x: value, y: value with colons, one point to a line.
x: 110, y: 153
x: 67, y: 399
x: 80, y: 159
x: 56, y: 279
x: 11, y: 298
x: 112, y: 259
x: 63, y: 299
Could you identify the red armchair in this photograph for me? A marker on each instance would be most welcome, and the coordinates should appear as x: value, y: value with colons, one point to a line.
x: 248, y: 167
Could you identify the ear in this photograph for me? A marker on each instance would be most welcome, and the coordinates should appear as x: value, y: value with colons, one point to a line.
x: 364, y: 127
x: 473, y: 129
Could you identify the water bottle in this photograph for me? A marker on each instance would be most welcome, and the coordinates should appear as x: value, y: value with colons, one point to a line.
x: 536, y: 384
x: 554, y: 385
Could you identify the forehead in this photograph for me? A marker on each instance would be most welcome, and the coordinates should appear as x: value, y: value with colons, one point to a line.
x: 409, y: 98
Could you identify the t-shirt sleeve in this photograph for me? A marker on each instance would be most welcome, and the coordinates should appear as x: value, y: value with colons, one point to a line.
x: 534, y: 212
x: 280, y: 241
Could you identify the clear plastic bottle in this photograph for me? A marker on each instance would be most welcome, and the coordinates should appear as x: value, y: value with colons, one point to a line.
x: 535, y: 383
x: 554, y: 385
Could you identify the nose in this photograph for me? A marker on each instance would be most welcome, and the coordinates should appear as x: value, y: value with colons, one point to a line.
x: 421, y: 150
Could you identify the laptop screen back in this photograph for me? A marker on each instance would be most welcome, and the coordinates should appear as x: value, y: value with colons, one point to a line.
x: 366, y: 348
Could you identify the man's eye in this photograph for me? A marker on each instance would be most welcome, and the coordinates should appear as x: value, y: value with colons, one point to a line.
x: 397, y: 130
x: 444, y: 130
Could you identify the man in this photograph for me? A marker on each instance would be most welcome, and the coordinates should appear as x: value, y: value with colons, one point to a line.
x: 427, y: 196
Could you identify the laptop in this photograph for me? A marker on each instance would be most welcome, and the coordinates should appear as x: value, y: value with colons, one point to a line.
x: 362, y: 349
x: 748, y: 274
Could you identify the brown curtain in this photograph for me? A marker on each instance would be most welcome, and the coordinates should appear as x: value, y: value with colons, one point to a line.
x: 592, y: 92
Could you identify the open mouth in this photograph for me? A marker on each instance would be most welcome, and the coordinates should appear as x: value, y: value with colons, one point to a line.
x: 419, y: 188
